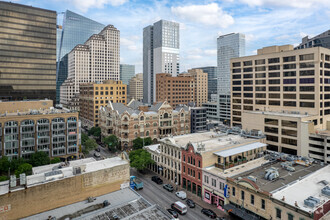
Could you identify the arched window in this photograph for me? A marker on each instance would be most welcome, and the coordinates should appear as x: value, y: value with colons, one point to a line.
x: 166, y: 115
x: 141, y: 118
x: 147, y: 133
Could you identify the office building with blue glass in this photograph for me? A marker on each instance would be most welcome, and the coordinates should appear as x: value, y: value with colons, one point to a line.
x: 76, y: 29
x: 127, y: 72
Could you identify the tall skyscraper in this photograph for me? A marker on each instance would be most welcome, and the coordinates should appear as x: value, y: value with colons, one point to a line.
x: 127, y: 72
x: 160, y: 55
x: 76, y: 30
x: 95, y: 61
x: 136, y: 87
x: 228, y: 46
x: 27, y: 52
x: 211, y: 79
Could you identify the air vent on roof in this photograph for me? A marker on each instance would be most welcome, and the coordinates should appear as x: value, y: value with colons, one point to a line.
x: 326, y: 190
x: 271, y: 174
x: 253, y: 178
x: 311, y: 201
x: 324, y: 182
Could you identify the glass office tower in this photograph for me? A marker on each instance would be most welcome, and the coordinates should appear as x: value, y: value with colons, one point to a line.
x: 76, y: 30
x: 127, y: 72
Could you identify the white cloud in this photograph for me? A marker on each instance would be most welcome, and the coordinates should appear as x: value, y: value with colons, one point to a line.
x: 84, y: 5
x: 129, y: 44
x: 210, y: 52
x: 210, y: 14
x: 287, y: 3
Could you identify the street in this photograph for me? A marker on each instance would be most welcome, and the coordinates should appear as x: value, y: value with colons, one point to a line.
x: 155, y: 194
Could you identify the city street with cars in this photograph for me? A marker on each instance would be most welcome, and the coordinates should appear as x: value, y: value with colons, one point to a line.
x: 157, y: 194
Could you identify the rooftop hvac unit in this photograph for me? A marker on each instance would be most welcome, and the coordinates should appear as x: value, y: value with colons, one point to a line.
x: 271, y: 174
x: 12, y: 180
x: 253, y: 178
x: 311, y: 201
x: 326, y: 191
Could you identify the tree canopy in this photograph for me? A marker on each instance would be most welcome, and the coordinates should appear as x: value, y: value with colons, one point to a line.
x: 112, y: 142
x: 95, y: 131
x: 24, y: 168
x: 90, y: 144
x: 140, y: 159
x: 138, y: 142
x: 39, y: 159
x: 55, y: 160
x: 84, y: 138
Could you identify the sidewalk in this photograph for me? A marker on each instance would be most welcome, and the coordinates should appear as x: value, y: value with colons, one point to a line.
x: 198, y: 200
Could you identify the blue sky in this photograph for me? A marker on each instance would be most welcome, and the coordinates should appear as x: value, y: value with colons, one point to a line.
x: 264, y: 22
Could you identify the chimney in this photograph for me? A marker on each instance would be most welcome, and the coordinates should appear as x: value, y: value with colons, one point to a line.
x: 283, y: 199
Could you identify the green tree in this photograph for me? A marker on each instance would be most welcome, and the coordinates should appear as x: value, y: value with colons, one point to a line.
x: 95, y: 131
x: 112, y: 142
x: 55, y: 160
x: 3, y: 178
x: 138, y: 142
x: 84, y: 138
x: 4, y: 164
x: 15, y: 163
x: 140, y: 159
x: 39, y: 159
x: 24, y: 168
x: 90, y: 145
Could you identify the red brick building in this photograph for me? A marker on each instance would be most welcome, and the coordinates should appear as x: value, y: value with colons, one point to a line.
x: 192, y: 170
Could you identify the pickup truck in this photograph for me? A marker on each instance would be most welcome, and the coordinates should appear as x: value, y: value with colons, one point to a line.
x: 136, y: 183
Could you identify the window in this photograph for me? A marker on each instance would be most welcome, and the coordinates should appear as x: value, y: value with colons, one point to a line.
x: 247, y: 63
x: 274, y: 60
x: 275, y: 67
x: 271, y: 121
x: 214, y: 182
x: 278, y: 213
x: 289, y: 73
x: 259, y: 62
x: 242, y: 195
x: 289, y: 59
x: 289, y: 66
x: 271, y: 130
x: 306, y: 57
x: 237, y: 64
x: 307, y: 104
x: 252, y: 199
x: 206, y: 179
x: 271, y: 138
x: 233, y: 191
x: 291, y: 124
x: 290, y: 216
x: 291, y: 133
x: 289, y: 141
x: 263, y: 204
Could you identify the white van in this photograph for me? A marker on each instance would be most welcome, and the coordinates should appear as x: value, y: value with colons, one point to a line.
x: 181, y: 195
x: 179, y: 207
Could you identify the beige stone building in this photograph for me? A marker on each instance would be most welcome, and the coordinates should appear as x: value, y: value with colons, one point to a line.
x: 136, y: 87
x: 53, y: 131
x: 137, y: 120
x: 200, y: 86
x: 95, y: 61
x: 48, y: 189
x: 284, y: 93
x: 93, y: 96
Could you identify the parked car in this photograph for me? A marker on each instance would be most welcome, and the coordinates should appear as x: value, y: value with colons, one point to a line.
x: 157, y: 180
x: 181, y: 194
x: 96, y: 154
x: 190, y: 203
x: 98, y: 149
x: 209, y: 213
x: 168, y: 187
x: 173, y: 213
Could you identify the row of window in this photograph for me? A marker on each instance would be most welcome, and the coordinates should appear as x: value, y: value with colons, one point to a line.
x: 252, y: 199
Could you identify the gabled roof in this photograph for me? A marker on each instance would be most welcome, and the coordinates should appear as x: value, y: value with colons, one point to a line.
x: 134, y: 104
x: 156, y: 107
x: 184, y: 107
x: 121, y: 108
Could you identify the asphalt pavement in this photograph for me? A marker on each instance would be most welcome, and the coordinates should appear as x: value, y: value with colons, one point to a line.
x: 156, y: 194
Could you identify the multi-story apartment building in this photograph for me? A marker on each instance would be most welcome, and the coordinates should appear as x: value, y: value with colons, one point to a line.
x: 286, y: 89
x: 177, y: 90
x: 54, y: 131
x: 28, y: 52
x: 135, y: 120
x: 212, y: 80
x: 198, y: 119
x: 211, y: 111
x: 136, y: 87
x: 93, y: 96
x: 199, y: 150
x: 161, y: 43
x: 228, y: 46
x: 321, y: 40
x: 95, y: 61
x: 127, y: 72
x: 200, y: 86
x: 76, y: 29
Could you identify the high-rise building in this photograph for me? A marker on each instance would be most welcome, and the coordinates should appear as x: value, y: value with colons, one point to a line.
x: 285, y: 94
x: 228, y: 46
x: 321, y: 40
x: 95, y: 95
x: 136, y: 87
x: 27, y: 52
x: 200, y: 86
x: 160, y: 55
x: 126, y: 73
x: 177, y: 90
x: 95, y: 61
x: 76, y: 29
x: 211, y: 79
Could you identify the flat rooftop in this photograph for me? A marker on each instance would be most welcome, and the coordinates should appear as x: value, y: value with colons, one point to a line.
x: 302, y: 189
x: 283, y: 114
x: 124, y: 203
x: 285, y: 177
x: 55, y: 172
x: 48, y: 111
x: 237, y: 169
x: 212, y: 141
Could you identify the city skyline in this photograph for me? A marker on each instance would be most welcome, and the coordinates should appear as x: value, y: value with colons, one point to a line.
x: 263, y: 22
